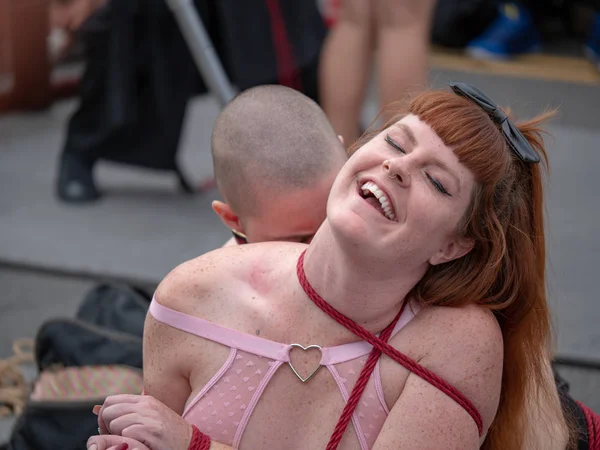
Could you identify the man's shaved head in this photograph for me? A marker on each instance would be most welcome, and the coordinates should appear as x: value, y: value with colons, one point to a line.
x: 271, y: 139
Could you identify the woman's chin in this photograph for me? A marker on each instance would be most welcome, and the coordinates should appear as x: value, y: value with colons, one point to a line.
x: 349, y: 225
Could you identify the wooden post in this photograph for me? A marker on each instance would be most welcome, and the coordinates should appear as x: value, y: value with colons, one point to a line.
x: 24, y: 63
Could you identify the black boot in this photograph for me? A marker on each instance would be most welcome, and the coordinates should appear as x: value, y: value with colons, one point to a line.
x: 184, y: 184
x: 75, y: 180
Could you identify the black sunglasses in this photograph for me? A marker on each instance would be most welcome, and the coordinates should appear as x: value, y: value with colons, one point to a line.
x: 517, y: 142
x: 240, y: 238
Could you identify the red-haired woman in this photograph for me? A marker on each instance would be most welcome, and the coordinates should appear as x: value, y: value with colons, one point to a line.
x: 416, y: 319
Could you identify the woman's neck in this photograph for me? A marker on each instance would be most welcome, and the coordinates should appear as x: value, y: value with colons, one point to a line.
x: 366, y: 291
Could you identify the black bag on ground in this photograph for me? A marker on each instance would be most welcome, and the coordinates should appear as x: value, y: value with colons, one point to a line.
x: 80, y: 361
x: 116, y: 307
x: 71, y: 342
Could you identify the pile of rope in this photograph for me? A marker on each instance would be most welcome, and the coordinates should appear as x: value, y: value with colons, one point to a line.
x: 14, y: 388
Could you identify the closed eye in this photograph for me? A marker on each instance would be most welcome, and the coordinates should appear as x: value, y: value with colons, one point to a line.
x: 439, y: 186
x: 394, y: 144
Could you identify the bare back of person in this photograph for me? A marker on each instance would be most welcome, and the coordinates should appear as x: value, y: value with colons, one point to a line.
x: 240, y: 288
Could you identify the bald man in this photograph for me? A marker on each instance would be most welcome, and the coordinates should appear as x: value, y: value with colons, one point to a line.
x: 275, y: 157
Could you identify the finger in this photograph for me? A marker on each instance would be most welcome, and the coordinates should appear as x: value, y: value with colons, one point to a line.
x: 96, y: 409
x: 119, y: 447
x: 114, y: 400
x: 148, y: 435
x: 144, y: 414
x: 104, y: 442
x: 102, y: 428
x: 117, y: 425
x: 113, y: 412
x: 122, y: 398
x: 107, y: 442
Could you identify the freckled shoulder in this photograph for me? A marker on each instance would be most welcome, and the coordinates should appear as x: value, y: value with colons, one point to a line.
x: 464, y: 346
x: 196, y: 279
x: 228, y: 268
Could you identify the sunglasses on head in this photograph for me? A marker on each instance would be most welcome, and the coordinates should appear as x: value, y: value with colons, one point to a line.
x: 515, y: 139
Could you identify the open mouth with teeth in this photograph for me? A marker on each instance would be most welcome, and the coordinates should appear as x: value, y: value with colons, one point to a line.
x: 377, y: 199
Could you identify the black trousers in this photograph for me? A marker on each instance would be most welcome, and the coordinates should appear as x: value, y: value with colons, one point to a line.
x: 140, y: 75
x: 540, y: 7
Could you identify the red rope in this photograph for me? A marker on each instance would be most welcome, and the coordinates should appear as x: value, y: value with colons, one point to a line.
x: 593, y: 422
x: 200, y: 441
x: 360, y: 385
x: 286, y: 68
x: 384, y: 347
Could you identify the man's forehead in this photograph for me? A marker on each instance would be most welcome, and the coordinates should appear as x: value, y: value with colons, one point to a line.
x: 296, y: 222
x: 293, y: 225
x: 289, y: 231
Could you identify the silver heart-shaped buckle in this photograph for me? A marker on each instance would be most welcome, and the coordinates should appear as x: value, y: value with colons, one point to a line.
x: 304, y: 380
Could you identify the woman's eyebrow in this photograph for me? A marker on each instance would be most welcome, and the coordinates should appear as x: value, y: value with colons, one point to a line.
x: 408, y: 132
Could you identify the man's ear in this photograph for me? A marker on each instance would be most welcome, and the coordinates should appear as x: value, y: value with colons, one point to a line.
x: 229, y: 218
x: 454, y: 249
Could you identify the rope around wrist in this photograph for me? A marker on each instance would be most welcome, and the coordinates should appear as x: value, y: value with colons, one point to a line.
x: 200, y: 441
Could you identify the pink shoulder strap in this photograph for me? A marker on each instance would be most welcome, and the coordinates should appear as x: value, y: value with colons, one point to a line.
x: 257, y: 345
x: 217, y: 333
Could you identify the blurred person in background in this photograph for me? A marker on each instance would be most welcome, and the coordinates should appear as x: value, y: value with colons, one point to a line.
x: 68, y: 16
x: 397, y: 34
x: 140, y: 75
x: 517, y: 30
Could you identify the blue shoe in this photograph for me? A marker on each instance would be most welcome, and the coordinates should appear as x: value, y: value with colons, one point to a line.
x: 513, y: 33
x: 592, y: 46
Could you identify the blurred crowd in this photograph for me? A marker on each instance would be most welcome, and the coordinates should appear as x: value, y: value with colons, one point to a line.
x: 139, y: 74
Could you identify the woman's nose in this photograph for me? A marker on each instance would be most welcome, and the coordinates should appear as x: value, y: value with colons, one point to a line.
x: 397, y: 170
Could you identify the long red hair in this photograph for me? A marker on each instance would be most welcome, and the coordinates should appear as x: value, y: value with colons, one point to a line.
x: 505, y: 271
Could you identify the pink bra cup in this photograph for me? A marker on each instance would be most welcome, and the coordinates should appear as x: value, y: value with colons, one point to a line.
x: 224, y: 406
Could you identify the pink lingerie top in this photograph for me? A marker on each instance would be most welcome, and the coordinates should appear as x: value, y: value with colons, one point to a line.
x: 223, y: 407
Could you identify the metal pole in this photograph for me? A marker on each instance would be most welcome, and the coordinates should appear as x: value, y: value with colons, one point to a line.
x: 202, y: 50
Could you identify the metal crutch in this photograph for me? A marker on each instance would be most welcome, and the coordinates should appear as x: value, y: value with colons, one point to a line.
x: 207, y: 62
x: 202, y: 50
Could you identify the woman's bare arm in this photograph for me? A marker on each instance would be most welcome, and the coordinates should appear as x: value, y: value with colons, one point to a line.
x: 466, y: 353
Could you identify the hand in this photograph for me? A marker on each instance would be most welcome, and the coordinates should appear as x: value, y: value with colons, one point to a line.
x: 69, y: 15
x: 145, y: 419
x: 66, y: 17
x: 112, y: 442
x: 81, y: 11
